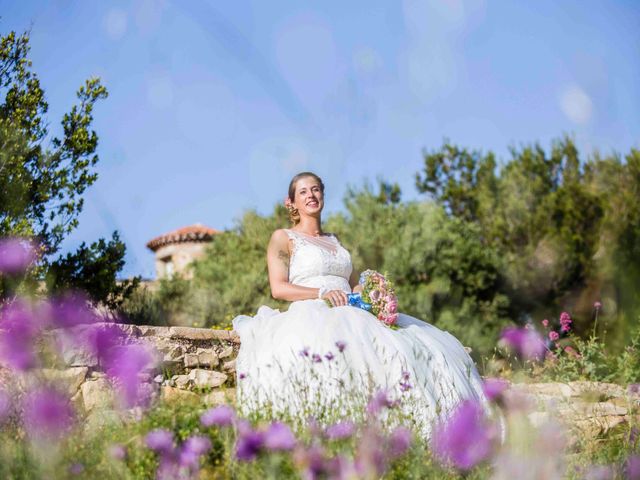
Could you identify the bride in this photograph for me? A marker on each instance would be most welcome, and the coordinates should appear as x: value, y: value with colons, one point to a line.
x: 322, y: 355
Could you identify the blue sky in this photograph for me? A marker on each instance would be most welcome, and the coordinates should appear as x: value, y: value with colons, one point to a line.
x: 214, y: 105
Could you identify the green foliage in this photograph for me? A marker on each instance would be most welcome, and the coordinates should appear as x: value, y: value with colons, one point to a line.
x: 43, y: 177
x: 560, y: 224
x: 593, y: 361
x: 93, y: 269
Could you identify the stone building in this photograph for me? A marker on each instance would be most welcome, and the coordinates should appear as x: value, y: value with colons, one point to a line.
x: 177, y: 249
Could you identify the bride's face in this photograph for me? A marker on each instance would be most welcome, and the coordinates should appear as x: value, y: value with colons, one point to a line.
x: 308, y: 199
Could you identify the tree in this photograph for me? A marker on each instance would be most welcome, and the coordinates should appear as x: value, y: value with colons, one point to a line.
x: 43, y: 177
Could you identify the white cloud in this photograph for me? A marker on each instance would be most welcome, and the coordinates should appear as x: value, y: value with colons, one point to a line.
x: 576, y: 105
x: 115, y: 23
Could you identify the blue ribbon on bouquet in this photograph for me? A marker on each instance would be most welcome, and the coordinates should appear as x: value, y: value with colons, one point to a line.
x: 355, y: 300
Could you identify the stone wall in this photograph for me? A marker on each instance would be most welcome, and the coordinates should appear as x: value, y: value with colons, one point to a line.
x: 197, y: 364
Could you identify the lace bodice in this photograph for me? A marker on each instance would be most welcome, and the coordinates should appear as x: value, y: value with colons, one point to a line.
x: 319, y: 262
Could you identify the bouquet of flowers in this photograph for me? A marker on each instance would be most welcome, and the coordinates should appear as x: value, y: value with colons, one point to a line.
x: 378, y: 297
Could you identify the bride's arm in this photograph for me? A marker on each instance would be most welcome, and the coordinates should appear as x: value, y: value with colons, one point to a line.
x: 278, y: 264
x: 353, y: 281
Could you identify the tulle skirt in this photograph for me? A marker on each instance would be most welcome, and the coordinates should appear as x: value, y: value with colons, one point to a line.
x: 314, y: 360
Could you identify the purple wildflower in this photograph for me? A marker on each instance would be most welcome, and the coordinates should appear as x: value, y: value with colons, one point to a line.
x: 160, y: 441
x: 494, y: 388
x: 47, y: 413
x: 102, y: 341
x: 399, y: 442
x: 632, y: 467
x: 316, y: 358
x: 191, y: 451
x: 405, y: 386
x: 340, y: 430
x: 5, y: 405
x: 405, y: 375
x: 378, y: 401
x: 16, y: 255
x: 597, y: 305
x: 18, y: 337
x: 341, y: 345
x: 76, y: 469
x: 118, y: 451
x: 312, y: 461
x: 370, y: 458
x: 222, y: 416
x: 70, y: 310
x: 525, y: 342
x: 304, y: 352
x: 279, y: 437
x: 125, y: 365
x: 242, y: 376
x: 329, y: 356
x: 250, y: 442
x: 465, y: 439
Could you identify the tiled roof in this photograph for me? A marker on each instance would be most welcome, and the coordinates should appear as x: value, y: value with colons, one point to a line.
x: 192, y: 233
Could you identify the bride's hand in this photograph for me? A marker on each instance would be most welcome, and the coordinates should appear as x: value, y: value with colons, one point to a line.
x: 357, y: 289
x: 337, y: 297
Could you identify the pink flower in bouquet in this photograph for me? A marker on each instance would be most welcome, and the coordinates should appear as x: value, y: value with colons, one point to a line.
x: 553, y: 335
x: 374, y: 295
x: 391, y: 319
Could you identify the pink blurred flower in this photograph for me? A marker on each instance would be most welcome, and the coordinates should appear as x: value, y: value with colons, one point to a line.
x: 597, y: 305
x: 249, y: 443
x: 545, y: 323
x: 340, y: 430
x: 222, y: 416
x: 374, y: 295
x: 341, y: 345
x: 526, y: 343
x: 70, y: 310
x: 553, y: 335
x: 398, y: 442
x: 493, y: 388
x: 125, y: 365
x: 466, y: 438
x: 632, y: 467
x: 20, y: 328
x: 191, y: 451
x: 118, y: 451
x: 47, y: 413
x: 279, y: 437
x: 5, y: 405
x: 16, y: 255
x: 160, y: 441
x: 378, y: 401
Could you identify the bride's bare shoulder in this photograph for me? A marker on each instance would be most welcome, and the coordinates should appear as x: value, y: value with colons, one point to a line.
x: 279, y: 237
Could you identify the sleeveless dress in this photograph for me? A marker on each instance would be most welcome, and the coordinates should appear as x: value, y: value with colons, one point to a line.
x: 313, y: 359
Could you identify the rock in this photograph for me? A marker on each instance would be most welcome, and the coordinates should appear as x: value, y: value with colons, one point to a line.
x: 158, y: 378
x: 191, y: 333
x: 203, y: 358
x: 229, y: 366
x: 181, y: 381
x: 68, y: 380
x: 207, y: 378
x: 227, y: 352
x: 97, y: 394
x: 219, y: 397
x: 176, y: 395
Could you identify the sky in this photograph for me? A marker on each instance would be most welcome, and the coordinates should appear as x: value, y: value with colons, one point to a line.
x: 213, y: 106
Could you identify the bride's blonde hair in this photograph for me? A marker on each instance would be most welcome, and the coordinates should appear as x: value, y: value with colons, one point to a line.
x: 294, y: 215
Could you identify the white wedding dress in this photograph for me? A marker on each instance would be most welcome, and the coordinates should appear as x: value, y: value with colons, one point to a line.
x: 313, y: 357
